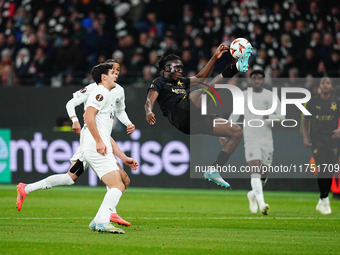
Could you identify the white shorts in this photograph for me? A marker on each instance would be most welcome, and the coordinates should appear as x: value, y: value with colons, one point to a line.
x: 99, y: 163
x: 259, y: 151
x: 79, y: 156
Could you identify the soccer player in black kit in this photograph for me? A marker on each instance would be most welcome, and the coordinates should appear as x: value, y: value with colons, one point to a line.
x: 323, y: 124
x: 171, y: 91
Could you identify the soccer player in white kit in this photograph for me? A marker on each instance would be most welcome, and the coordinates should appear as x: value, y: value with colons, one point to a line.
x: 77, y: 167
x: 96, y: 145
x: 258, y: 141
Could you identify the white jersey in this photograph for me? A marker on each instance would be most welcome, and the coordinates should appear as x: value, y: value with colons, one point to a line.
x: 103, y: 101
x: 118, y: 96
x: 261, y: 101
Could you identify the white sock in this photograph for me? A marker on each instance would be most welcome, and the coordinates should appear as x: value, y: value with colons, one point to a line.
x: 114, y: 209
x: 252, y: 194
x: 49, y: 182
x: 108, y: 205
x: 256, y: 185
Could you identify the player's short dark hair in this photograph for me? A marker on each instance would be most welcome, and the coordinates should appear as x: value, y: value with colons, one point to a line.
x: 164, y: 59
x: 257, y: 71
x: 100, y: 69
x: 111, y: 60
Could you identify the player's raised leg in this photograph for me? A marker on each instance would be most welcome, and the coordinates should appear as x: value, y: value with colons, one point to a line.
x: 234, y: 134
x: 69, y: 178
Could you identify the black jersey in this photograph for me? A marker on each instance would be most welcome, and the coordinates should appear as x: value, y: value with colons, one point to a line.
x: 171, y: 95
x: 324, y: 119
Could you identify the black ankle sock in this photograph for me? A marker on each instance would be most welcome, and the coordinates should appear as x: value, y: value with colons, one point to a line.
x: 324, y: 186
x: 222, y: 158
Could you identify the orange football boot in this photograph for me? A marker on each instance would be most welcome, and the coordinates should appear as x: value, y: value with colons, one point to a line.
x: 116, y: 218
x: 21, y: 195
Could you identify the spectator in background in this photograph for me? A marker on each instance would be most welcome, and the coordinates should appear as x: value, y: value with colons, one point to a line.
x: 188, y: 62
x: 96, y: 42
x: 99, y: 28
x: 137, y: 63
x: 39, y: 67
x: 5, y: 59
x: 151, y: 22
x: 3, y: 42
x: 148, y: 75
x: 315, y: 42
x: 68, y: 57
x: 8, y: 77
x: 261, y: 60
x: 327, y: 47
x: 13, y: 46
x: 286, y: 46
x: 21, y: 66
x: 321, y: 71
x: 309, y: 62
x: 334, y: 64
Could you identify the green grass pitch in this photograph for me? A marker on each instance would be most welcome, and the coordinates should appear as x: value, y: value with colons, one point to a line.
x: 167, y: 221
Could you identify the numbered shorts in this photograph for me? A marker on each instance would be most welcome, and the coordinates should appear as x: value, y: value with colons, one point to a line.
x: 101, y: 164
x: 259, y: 151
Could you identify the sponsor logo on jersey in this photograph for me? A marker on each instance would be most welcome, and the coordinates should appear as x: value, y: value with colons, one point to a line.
x: 83, y: 90
x: 334, y: 106
x: 99, y: 97
x: 117, y: 101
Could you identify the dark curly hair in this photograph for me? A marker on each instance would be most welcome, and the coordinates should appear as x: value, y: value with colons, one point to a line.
x: 111, y: 60
x: 162, y: 60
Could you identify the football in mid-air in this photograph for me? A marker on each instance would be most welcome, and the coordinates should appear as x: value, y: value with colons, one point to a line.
x: 238, y: 46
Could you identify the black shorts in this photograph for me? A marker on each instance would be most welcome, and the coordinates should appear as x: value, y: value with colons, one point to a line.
x: 191, y: 122
x: 325, y: 153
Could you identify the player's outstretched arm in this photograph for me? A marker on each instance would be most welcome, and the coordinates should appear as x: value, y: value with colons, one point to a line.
x: 70, y: 108
x: 150, y: 101
x: 130, y: 162
x: 221, y: 49
x: 123, y: 118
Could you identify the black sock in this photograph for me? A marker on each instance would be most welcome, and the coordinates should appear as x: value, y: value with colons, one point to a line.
x: 222, y: 158
x: 324, y: 186
x: 230, y: 71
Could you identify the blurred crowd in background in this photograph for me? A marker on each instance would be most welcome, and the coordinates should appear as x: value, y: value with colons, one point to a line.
x: 55, y: 43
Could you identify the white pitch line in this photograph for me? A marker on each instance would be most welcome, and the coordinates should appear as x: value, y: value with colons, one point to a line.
x: 177, y: 218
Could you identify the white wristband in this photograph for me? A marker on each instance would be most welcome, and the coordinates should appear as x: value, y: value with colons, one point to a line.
x: 74, y: 119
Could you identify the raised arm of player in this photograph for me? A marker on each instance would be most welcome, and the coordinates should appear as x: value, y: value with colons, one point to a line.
x: 70, y: 107
x: 123, y: 117
x: 221, y: 49
x: 90, y: 119
x: 130, y: 162
x: 150, y: 101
